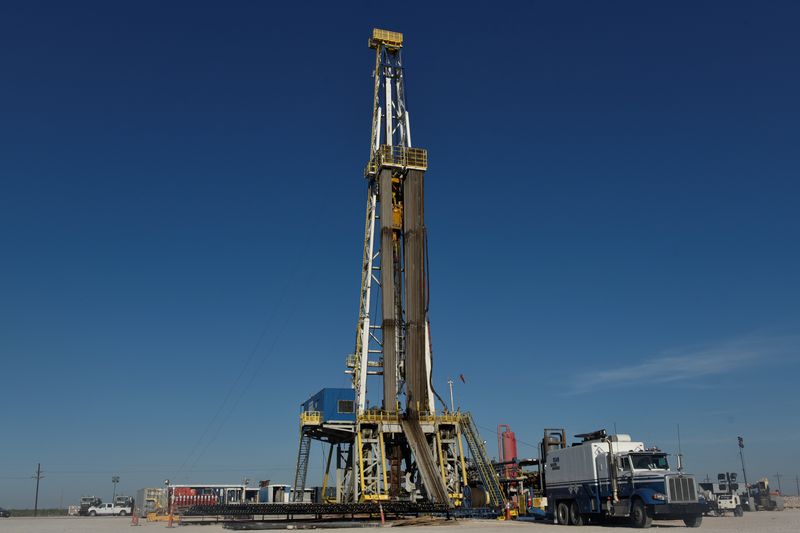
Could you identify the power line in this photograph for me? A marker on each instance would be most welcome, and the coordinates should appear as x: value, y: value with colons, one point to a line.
x: 216, y: 469
x: 268, y: 355
x: 202, y: 444
x: 267, y: 324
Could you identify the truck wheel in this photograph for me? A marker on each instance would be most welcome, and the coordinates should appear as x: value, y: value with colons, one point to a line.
x: 693, y: 521
x: 122, y: 513
x: 575, y: 516
x: 562, y: 513
x: 92, y: 513
x: 639, y: 516
x: 738, y: 511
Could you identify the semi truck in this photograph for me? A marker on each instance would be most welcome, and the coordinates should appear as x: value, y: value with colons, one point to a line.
x: 86, y: 502
x: 611, y: 476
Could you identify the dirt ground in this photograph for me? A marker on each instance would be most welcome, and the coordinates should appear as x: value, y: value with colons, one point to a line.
x: 778, y: 522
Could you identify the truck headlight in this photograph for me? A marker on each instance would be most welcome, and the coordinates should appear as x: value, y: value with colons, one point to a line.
x: 659, y: 496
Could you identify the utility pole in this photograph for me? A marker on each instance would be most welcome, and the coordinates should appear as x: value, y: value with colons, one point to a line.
x: 37, y: 476
x: 741, y: 456
x: 114, y: 481
x: 797, y: 480
x: 452, y: 404
x: 777, y: 475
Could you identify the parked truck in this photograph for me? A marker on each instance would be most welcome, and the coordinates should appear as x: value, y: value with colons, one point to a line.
x: 109, y: 509
x: 611, y: 476
x: 86, y: 503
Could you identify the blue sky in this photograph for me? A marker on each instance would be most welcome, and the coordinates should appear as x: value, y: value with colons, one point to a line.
x: 612, y: 207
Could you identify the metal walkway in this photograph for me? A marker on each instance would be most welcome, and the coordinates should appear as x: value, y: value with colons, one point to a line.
x: 489, y: 478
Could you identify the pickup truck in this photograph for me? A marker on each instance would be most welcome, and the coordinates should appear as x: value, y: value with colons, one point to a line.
x: 109, y: 509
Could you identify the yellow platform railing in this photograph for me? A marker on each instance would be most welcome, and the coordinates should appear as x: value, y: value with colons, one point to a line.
x: 373, y: 416
x: 310, y: 418
x: 378, y: 416
x: 388, y: 38
x: 398, y: 157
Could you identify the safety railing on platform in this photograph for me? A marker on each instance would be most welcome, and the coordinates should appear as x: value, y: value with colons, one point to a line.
x: 310, y: 418
x: 398, y: 157
x: 449, y: 418
x: 425, y: 418
x: 388, y: 38
x: 378, y: 416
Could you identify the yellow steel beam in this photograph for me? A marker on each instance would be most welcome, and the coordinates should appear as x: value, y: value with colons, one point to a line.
x: 383, y: 463
x: 360, y: 460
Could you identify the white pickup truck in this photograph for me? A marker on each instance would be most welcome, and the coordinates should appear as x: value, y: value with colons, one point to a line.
x: 109, y: 509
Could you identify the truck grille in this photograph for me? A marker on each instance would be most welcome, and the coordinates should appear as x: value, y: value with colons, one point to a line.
x: 682, y: 489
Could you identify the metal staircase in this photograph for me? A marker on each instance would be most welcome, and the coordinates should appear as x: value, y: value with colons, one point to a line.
x: 303, y: 453
x: 489, y: 478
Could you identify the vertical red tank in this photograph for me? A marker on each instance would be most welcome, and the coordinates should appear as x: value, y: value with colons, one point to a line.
x: 506, y: 448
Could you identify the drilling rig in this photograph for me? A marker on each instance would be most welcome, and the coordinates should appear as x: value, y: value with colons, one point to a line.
x: 399, y: 449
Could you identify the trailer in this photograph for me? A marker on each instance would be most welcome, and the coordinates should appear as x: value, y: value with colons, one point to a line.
x: 611, y: 476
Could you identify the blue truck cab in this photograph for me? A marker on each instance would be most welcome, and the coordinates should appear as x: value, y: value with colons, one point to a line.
x: 613, y: 476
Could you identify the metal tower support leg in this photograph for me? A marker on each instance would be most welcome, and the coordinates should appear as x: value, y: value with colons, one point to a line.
x: 451, y: 460
x: 345, y: 478
x: 373, y: 482
x: 360, y: 360
x: 327, y: 475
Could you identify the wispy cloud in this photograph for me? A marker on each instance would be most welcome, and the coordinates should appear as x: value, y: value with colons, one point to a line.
x: 689, y: 365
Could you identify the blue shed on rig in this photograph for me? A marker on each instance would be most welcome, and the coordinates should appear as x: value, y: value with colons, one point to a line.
x: 334, y: 405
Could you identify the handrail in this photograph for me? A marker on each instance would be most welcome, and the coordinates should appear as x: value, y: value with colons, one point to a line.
x: 310, y: 418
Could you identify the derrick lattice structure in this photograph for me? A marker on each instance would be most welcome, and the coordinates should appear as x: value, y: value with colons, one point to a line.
x: 398, y: 448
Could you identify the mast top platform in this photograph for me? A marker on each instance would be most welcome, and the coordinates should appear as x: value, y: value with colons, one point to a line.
x: 389, y: 39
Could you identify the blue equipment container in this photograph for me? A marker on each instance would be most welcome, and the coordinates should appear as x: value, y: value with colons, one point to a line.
x: 335, y: 405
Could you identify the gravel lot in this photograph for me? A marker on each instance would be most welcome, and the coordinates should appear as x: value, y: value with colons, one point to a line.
x: 781, y: 522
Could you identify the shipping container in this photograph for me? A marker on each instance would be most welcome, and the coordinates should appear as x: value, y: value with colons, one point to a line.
x: 334, y: 405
